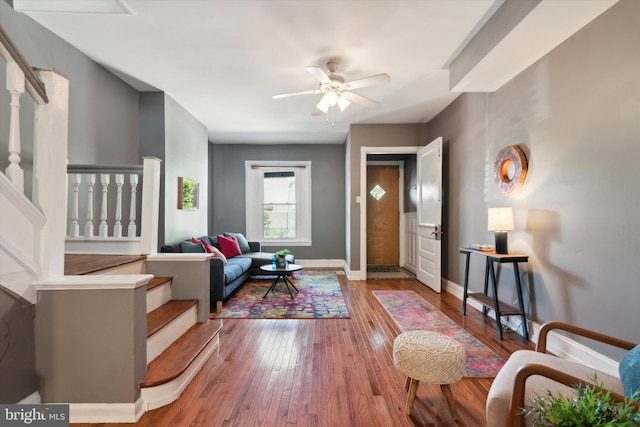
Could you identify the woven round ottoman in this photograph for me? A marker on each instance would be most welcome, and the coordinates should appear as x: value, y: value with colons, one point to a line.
x: 430, y: 357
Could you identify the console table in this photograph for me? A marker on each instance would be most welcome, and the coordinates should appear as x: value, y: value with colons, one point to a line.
x: 492, y: 302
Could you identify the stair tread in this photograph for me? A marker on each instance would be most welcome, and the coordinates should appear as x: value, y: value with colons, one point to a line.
x: 157, y: 281
x: 79, y: 264
x: 164, y: 314
x: 172, y: 362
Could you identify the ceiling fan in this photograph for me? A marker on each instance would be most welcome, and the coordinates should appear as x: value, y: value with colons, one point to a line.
x: 336, y: 90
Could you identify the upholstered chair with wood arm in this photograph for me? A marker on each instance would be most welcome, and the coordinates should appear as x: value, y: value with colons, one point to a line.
x: 527, y: 374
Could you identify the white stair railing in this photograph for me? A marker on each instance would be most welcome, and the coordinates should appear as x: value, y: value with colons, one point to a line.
x: 20, y: 77
x: 119, y: 188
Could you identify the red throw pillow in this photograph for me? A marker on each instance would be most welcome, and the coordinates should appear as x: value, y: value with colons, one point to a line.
x: 229, y: 246
x: 207, y: 247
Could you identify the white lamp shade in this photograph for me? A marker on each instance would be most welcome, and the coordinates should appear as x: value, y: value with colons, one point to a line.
x: 330, y: 99
x: 500, y: 219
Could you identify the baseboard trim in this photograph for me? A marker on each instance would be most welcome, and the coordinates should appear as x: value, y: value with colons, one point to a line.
x: 321, y: 263
x: 33, y: 399
x: 106, y: 412
x: 355, y: 275
x: 557, y: 344
x: 572, y: 350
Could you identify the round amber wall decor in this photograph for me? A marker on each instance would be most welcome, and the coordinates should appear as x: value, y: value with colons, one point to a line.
x: 510, y: 169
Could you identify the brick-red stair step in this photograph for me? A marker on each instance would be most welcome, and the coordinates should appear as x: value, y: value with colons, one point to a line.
x: 164, y: 314
x: 177, y: 358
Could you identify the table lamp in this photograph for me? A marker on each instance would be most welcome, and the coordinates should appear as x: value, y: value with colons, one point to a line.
x: 501, y: 221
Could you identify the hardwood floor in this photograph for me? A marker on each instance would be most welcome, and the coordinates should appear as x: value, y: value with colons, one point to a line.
x: 333, y: 372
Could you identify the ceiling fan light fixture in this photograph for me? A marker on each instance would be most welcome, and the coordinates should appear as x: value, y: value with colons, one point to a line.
x: 330, y: 99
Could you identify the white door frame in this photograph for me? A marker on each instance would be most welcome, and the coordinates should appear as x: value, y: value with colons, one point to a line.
x: 364, y: 151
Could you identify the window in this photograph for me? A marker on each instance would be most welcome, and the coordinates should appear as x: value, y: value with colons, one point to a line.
x: 278, y: 202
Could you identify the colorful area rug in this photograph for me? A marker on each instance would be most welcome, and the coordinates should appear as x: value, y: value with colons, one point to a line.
x: 411, y: 312
x: 320, y: 297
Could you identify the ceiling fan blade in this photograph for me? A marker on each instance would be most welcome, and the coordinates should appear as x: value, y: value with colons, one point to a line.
x: 316, y: 111
x: 318, y: 74
x: 358, y: 99
x: 343, y: 103
x: 306, y: 92
x: 322, y: 106
x: 368, y: 81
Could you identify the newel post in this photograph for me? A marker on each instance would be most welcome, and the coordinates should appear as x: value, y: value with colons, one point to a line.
x: 50, y: 171
x: 150, y: 217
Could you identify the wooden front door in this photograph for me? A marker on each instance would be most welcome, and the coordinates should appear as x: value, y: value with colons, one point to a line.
x: 383, y: 216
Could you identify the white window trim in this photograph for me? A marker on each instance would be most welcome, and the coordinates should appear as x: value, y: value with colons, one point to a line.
x: 254, y: 192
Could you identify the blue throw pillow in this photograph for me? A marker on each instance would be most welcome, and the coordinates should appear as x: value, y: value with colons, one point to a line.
x: 191, y: 248
x: 629, y: 369
x: 214, y: 241
x: 242, y: 242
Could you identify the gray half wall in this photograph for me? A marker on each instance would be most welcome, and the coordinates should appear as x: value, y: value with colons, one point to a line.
x: 91, y: 345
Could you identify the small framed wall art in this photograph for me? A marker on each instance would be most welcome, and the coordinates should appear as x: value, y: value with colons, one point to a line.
x: 188, y: 194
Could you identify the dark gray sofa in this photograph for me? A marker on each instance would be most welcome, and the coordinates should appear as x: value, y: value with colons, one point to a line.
x: 225, y: 279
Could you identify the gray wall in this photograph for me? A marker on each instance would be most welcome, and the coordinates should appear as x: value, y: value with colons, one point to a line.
x: 327, y: 181
x: 151, y: 136
x: 103, y: 110
x: 186, y: 156
x: 370, y: 135
x: 171, y: 133
x: 576, y: 114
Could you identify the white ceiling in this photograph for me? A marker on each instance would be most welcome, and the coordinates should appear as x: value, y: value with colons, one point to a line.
x: 223, y: 60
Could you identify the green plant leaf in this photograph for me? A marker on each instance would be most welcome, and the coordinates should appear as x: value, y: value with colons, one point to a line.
x: 591, y: 407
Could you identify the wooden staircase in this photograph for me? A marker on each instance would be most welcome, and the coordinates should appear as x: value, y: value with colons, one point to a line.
x: 177, y: 344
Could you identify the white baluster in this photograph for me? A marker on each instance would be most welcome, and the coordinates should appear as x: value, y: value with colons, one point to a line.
x: 117, y: 228
x: 88, y: 226
x: 103, y: 230
x: 74, y: 229
x: 133, y: 180
x: 15, y: 86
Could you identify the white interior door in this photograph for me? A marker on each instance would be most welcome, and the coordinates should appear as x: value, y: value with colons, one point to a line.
x: 429, y: 162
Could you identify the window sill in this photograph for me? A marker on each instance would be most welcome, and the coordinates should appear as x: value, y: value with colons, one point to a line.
x: 285, y: 242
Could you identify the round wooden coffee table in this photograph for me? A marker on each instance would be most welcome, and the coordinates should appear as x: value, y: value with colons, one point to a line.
x: 282, y: 273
